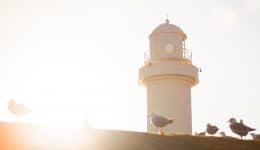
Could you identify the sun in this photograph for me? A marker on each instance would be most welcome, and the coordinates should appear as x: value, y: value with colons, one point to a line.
x: 60, y: 121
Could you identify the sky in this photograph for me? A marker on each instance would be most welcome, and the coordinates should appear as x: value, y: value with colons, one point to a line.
x: 78, y: 60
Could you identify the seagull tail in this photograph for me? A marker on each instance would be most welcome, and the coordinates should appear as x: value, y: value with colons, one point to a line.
x: 252, y: 129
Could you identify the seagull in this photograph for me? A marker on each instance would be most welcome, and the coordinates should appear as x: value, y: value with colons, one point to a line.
x: 239, y: 127
x: 159, y: 121
x: 201, y: 133
x: 211, y: 129
x: 223, y: 134
x: 18, y: 109
x: 255, y: 136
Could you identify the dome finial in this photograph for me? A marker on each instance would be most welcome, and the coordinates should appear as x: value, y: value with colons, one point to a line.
x: 167, y: 20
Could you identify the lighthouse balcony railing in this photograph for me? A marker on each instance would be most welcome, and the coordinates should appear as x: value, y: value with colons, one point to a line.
x: 183, y: 54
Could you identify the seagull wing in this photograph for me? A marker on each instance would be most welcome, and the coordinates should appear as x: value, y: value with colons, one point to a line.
x: 212, y: 129
x: 21, y: 109
x: 159, y: 121
x: 239, y: 128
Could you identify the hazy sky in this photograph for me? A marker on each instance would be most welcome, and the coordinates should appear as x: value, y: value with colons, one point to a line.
x: 72, y: 60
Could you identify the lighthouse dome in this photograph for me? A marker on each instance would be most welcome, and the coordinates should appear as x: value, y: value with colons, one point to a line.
x: 167, y: 28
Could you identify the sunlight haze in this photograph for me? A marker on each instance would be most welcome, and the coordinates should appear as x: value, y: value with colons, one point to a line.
x: 74, y: 61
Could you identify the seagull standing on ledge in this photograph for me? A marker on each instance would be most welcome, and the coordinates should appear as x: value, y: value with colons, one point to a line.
x: 17, y: 109
x: 223, y: 134
x: 211, y: 129
x: 159, y: 121
x: 239, y: 127
x: 255, y: 136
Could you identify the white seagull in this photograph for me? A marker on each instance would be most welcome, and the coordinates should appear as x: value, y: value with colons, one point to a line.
x: 18, y: 109
x: 159, y: 121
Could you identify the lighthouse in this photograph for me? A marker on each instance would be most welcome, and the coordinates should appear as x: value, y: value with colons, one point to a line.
x: 168, y: 75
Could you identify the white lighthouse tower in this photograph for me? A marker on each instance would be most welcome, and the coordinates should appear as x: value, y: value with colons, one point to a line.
x: 169, y: 75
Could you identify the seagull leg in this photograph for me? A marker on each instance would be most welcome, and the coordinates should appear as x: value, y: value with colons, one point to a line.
x: 160, y: 131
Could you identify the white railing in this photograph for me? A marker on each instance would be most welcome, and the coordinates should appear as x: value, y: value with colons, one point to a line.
x: 187, y: 54
x: 184, y: 54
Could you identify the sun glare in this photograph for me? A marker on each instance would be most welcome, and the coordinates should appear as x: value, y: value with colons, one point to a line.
x: 55, y: 121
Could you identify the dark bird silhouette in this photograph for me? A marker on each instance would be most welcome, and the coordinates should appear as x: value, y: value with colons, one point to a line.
x: 159, y: 121
x: 211, y: 129
x: 223, y: 134
x: 200, y: 133
x: 255, y: 136
x: 17, y: 109
x: 239, y: 128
